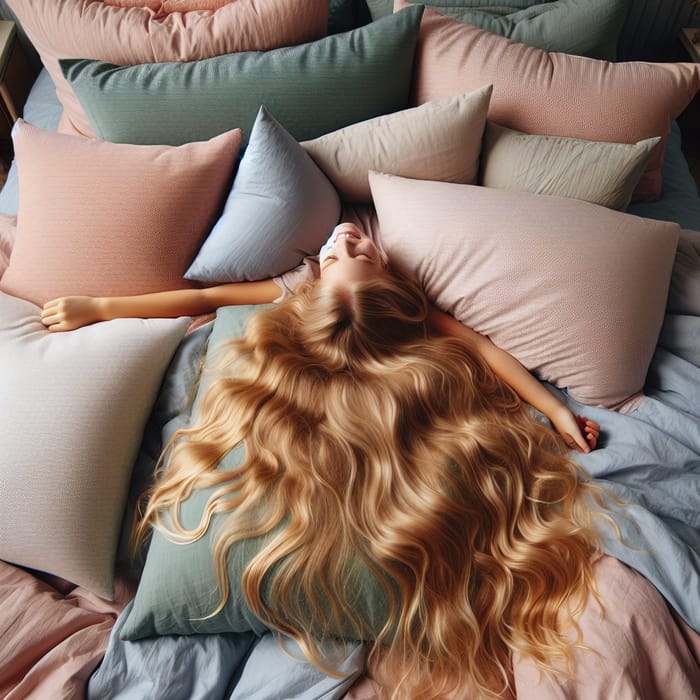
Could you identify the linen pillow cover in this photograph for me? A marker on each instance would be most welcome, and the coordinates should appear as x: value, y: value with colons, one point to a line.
x: 112, y: 219
x: 70, y: 28
x: 312, y: 89
x: 439, y: 140
x: 582, y: 27
x: 555, y: 94
x: 575, y: 291
x: 281, y: 208
x: 596, y: 171
x: 177, y: 590
x: 74, y: 406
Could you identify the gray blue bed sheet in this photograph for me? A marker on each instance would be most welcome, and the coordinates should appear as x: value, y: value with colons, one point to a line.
x: 649, y: 458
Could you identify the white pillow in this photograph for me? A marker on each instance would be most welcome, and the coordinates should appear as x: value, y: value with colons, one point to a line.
x: 73, y: 408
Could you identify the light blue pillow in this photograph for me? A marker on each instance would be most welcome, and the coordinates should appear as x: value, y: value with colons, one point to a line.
x: 313, y: 88
x: 281, y: 208
x: 581, y: 27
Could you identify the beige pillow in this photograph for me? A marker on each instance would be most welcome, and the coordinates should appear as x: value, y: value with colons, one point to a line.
x: 439, y: 140
x: 73, y: 407
x: 127, y: 36
x: 595, y: 171
x: 575, y: 291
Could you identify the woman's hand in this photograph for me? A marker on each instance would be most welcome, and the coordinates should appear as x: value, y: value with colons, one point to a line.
x: 68, y: 313
x: 578, y: 432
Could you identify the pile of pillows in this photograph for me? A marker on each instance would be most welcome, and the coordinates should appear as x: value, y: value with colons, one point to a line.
x: 229, y: 142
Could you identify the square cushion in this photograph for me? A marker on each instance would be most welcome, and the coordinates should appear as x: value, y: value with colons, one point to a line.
x: 582, y: 27
x: 575, y: 291
x: 176, y: 593
x: 596, y: 171
x: 311, y: 89
x: 110, y: 219
x: 89, y: 29
x: 281, y: 208
x: 439, y: 140
x: 555, y: 94
x: 74, y: 406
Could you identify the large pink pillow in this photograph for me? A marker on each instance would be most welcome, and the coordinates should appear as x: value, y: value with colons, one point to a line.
x: 575, y: 291
x: 126, y: 36
x: 112, y: 219
x: 555, y: 94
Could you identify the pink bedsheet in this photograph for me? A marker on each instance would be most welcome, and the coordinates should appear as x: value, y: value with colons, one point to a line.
x: 642, y: 651
x: 51, y: 636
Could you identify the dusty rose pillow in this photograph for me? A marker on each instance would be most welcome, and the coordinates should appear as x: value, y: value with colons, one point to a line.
x: 555, y: 94
x: 573, y: 290
x: 166, y: 6
x: 125, y: 36
x: 112, y: 219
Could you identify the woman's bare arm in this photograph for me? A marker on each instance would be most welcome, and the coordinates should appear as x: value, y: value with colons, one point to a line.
x: 67, y: 313
x: 578, y: 432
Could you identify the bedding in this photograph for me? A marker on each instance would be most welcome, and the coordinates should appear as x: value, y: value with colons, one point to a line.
x: 63, y: 640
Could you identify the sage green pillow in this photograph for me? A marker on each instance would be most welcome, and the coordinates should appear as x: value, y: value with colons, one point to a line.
x: 177, y: 590
x: 582, y: 27
x: 600, y: 172
x: 312, y: 89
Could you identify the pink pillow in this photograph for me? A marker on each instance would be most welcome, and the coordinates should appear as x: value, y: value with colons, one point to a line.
x: 555, y: 94
x: 112, y: 219
x: 123, y: 36
x: 575, y: 291
x: 8, y: 227
x: 166, y: 6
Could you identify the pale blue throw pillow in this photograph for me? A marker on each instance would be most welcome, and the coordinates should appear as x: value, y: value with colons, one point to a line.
x: 281, y: 208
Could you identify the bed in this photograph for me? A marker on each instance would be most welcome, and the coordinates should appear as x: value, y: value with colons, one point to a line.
x: 230, y: 141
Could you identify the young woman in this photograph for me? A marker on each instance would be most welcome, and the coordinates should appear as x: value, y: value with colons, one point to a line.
x: 348, y: 257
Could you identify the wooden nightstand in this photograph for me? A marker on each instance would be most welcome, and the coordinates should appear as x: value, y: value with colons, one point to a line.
x: 16, y: 77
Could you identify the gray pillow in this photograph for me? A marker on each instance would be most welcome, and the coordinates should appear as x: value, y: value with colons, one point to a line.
x: 312, y: 88
x: 281, y: 208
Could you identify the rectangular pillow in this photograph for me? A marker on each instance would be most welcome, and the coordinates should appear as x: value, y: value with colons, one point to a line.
x: 596, y: 171
x: 575, y: 291
x: 89, y: 29
x: 110, y: 219
x: 311, y: 89
x: 582, y: 27
x: 439, y: 140
x: 555, y: 94
x: 74, y: 406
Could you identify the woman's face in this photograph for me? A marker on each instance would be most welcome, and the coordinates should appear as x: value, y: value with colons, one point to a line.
x: 349, y: 256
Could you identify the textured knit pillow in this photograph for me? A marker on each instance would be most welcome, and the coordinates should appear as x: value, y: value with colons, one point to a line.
x: 595, y: 171
x: 555, y: 94
x: 281, y: 208
x: 575, y: 291
x: 312, y: 89
x: 73, y: 406
x: 439, y: 140
x: 112, y: 219
x: 177, y: 591
x: 89, y: 29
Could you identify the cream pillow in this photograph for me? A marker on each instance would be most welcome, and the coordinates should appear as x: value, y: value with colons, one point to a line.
x: 575, y: 291
x: 595, y: 171
x: 127, y: 36
x: 73, y: 407
x: 439, y: 140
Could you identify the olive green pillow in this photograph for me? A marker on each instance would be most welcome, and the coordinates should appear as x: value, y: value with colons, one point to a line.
x: 312, y: 89
x: 177, y: 590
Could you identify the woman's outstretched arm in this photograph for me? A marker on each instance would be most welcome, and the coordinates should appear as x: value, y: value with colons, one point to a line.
x: 67, y: 313
x: 578, y: 432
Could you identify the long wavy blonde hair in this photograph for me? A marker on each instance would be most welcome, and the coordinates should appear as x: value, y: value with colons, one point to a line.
x: 368, y: 440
